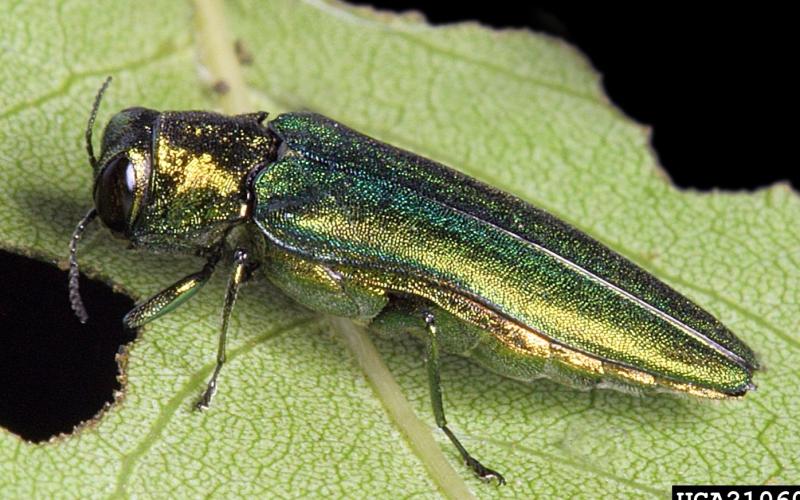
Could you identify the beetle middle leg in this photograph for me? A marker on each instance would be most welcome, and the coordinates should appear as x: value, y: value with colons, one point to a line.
x: 238, y: 276
x: 432, y: 363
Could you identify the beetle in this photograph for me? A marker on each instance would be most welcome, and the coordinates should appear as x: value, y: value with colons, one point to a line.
x: 349, y: 226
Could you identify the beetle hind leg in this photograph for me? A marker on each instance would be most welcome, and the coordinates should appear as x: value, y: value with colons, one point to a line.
x: 432, y: 363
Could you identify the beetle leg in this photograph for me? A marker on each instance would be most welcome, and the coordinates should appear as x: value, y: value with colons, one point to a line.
x: 238, y: 277
x: 171, y: 297
x: 432, y: 362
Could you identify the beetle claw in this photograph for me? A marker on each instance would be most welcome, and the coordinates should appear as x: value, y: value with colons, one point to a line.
x: 484, y: 473
x: 205, y: 400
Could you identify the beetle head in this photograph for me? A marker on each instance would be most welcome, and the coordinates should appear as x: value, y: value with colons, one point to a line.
x: 172, y: 181
x: 175, y: 181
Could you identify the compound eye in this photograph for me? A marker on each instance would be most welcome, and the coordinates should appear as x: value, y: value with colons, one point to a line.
x: 114, y: 193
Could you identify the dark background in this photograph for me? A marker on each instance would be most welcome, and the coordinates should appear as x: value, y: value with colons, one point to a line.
x: 712, y: 82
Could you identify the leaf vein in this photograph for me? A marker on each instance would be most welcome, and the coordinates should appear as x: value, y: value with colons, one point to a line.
x: 192, y: 386
x: 165, y: 50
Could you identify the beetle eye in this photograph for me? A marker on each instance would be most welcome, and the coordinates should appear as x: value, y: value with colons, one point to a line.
x: 114, y: 193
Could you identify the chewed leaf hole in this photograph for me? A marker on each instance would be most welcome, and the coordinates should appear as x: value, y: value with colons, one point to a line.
x: 55, y: 372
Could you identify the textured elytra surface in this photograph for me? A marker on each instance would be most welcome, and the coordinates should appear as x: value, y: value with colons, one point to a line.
x: 295, y: 414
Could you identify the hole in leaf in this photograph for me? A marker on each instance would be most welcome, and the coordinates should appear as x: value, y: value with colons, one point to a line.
x: 54, y: 371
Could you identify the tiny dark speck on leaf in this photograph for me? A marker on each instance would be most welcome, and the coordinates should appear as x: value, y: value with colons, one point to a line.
x: 221, y: 87
x: 244, y: 56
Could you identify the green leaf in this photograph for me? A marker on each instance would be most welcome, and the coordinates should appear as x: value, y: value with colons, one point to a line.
x: 305, y: 409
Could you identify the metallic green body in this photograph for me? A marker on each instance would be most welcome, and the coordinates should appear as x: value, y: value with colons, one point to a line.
x: 352, y: 227
x: 363, y: 224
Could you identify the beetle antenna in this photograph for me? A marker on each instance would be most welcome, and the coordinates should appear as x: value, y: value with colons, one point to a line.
x: 90, y: 126
x: 74, y: 273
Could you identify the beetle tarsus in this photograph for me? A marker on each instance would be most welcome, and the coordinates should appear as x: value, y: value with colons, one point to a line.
x: 484, y: 473
x: 205, y: 400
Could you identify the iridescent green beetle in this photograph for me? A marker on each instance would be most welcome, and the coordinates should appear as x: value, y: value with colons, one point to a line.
x: 349, y: 226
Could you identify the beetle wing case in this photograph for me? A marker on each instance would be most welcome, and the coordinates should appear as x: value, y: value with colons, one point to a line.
x: 412, y: 226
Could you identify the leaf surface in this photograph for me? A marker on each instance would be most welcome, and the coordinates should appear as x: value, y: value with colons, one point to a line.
x: 300, y: 412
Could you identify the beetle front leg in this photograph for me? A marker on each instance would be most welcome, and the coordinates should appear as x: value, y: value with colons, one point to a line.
x: 432, y: 362
x: 238, y: 277
x: 171, y: 297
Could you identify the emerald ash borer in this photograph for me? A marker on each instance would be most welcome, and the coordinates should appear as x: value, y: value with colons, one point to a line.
x: 349, y: 226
